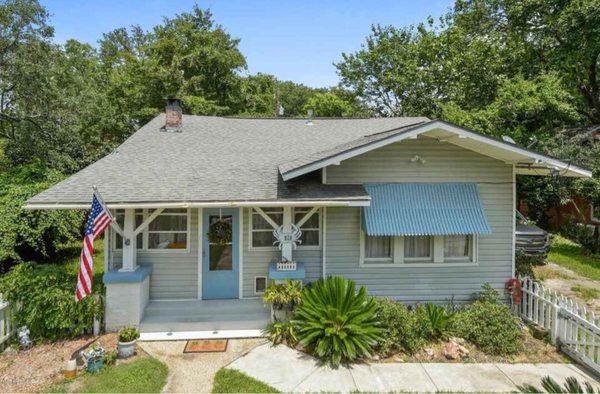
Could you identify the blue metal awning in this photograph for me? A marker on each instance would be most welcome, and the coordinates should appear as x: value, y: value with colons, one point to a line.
x: 424, y: 209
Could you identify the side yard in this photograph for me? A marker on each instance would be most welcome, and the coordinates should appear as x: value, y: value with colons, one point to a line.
x: 572, y: 272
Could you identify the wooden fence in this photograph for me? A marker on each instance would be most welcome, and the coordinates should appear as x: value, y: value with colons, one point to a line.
x: 572, y: 327
x: 6, y: 328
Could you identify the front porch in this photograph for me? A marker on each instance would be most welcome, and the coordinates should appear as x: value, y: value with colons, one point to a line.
x: 202, y: 319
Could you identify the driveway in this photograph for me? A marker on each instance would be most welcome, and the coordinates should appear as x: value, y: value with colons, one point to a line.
x: 289, y: 370
x: 194, y: 372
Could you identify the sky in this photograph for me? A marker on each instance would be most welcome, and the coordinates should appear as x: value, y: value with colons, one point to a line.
x: 293, y: 40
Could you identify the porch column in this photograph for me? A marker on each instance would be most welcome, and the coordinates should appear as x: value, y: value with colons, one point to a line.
x: 129, y: 239
x: 286, y: 247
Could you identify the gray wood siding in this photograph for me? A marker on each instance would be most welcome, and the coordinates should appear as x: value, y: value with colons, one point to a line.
x: 444, y: 163
x: 256, y: 262
x: 174, y: 273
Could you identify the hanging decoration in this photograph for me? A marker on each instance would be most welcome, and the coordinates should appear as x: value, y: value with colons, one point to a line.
x: 220, y: 232
x: 282, y: 237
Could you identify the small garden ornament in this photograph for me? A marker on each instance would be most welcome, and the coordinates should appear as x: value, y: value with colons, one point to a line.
x: 94, y: 358
x: 127, y: 339
x: 24, y: 340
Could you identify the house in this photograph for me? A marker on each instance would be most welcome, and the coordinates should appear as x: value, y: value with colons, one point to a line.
x: 412, y: 208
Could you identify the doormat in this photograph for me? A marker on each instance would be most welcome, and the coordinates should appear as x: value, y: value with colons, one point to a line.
x: 205, y: 346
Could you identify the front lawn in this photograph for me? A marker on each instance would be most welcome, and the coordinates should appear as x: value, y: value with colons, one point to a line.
x: 144, y: 375
x: 570, y: 255
x: 232, y: 381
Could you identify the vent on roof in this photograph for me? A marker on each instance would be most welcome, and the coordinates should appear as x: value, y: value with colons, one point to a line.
x: 173, y: 115
x: 309, y: 120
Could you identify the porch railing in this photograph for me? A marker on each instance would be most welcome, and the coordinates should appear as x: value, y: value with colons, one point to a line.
x: 572, y: 327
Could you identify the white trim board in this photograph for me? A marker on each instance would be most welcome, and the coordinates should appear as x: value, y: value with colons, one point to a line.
x: 463, y: 134
x: 187, y: 335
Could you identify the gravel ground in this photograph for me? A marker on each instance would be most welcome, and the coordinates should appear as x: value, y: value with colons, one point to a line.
x: 194, y: 372
x: 36, y: 369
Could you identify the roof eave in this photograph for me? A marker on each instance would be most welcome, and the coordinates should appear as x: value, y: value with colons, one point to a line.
x: 541, y: 159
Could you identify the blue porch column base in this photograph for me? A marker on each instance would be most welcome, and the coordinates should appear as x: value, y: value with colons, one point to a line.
x: 298, y: 274
x: 136, y: 276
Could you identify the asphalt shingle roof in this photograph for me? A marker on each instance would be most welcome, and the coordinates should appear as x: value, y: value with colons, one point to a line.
x: 219, y: 159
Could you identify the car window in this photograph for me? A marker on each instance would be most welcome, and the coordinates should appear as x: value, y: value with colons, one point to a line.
x: 520, y: 218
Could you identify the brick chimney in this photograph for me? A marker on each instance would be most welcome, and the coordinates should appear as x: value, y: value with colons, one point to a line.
x: 173, y: 115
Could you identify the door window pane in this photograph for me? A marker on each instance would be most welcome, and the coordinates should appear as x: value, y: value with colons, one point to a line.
x: 378, y: 247
x: 417, y: 247
x: 457, y: 246
x: 221, y: 257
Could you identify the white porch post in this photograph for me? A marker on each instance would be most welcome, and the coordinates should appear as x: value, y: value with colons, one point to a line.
x: 129, y: 239
x: 287, y: 247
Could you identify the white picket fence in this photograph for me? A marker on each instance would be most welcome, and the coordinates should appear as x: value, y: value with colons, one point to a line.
x: 572, y: 327
x: 6, y: 328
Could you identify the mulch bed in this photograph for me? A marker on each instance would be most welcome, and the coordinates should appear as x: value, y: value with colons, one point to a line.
x: 39, y: 367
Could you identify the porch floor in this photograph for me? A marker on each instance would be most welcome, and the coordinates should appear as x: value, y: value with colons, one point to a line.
x: 205, y: 316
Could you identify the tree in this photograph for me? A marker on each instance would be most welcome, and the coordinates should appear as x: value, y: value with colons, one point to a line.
x: 328, y: 105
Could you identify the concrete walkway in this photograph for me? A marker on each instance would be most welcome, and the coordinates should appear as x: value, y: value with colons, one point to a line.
x: 194, y: 372
x: 289, y: 370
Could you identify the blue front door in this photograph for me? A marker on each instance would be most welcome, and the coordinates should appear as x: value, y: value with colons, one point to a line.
x: 220, y: 263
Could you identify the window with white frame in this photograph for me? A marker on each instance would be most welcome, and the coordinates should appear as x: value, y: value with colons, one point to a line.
x: 458, y: 247
x: 378, y: 248
x: 169, y: 230
x: 261, y: 231
x: 418, y: 248
x: 311, y: 228
x: 120, y: 219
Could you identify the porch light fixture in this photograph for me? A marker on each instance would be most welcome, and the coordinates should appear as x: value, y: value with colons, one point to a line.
x: 417, y: 159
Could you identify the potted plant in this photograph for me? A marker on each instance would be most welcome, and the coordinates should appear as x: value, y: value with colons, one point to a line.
x: 127, y: 339
x: 94, y: 358
x: 283, y: 297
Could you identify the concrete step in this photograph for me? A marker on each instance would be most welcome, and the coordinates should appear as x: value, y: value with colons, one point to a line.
x: 258, y: 324
x: 212, y: 306
x: 205, y: 317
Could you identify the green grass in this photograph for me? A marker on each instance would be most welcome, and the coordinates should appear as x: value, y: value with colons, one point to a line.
x: 570, y: 255
x: 586, y: 293
x: 231, y: 381
x: 145, y: 375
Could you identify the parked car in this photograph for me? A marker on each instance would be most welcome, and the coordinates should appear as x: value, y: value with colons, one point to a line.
x: 529, y: 238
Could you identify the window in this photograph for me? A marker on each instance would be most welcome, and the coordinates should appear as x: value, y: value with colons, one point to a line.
x: 418, y: 247
x: 378, y: 248
x: 310, y: 229
x: 458, y: 247
x: 261, y: 232
x: 120, y: 219
x: 169, y: 230
x: 260, y: 284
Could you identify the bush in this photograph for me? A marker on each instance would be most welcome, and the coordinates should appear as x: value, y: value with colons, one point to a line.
x: 581, y: 234
x: 435, y: 321
x: 402, y: 329
x: 337, y: 323
x: 524, y: 263
x: 285, y: 295
x: 489, y: 324
x: 279, y: 332
x: 32, y: 235
x: 46, y: 296
x: 128, y: 334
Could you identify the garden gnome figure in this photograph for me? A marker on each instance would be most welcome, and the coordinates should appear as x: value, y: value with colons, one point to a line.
x: 24, y: 340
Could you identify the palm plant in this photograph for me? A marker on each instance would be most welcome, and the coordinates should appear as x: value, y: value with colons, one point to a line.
x: 571, y: 385
x: 438, y: 320
x: 336, y: 322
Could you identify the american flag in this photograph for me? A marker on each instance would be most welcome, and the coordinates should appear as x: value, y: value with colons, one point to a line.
x: 97, y: 222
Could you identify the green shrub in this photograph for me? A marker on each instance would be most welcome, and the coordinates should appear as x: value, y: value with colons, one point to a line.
x: 336, y: 322
x: 403, y: 331
x: 45, y: 295
x: 279, y: 332
x: 489, y: 324
x: 128, y: 334
x: 285, y: 295
x: 571, y: 385
x: 435, y: 320
x: 524, y: 263
x: 581, y: 234
x: 27, y: 235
